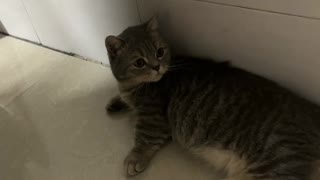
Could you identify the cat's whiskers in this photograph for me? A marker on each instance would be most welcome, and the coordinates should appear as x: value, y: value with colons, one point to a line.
x: 176, y: 67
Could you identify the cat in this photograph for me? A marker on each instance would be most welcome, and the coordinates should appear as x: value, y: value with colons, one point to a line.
x: 241, y: 123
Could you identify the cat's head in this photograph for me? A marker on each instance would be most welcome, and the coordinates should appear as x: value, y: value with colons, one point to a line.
x: 139, y: 54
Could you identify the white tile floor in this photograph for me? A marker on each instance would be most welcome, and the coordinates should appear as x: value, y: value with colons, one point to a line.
x: 53, y: 125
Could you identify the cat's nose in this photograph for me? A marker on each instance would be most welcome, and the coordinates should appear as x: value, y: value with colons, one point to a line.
x: 157, y: 67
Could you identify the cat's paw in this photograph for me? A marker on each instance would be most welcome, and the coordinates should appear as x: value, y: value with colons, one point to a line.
x: 135, y: 163
x: 116, y: 105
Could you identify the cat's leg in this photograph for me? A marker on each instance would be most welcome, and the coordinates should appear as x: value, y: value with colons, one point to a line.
x: 152, y: 133
x: 117, y: 105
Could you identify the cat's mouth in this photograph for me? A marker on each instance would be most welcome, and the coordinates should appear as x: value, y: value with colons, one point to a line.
x: 157, y: 75
x: 152, y: 76
x: 163, y: 69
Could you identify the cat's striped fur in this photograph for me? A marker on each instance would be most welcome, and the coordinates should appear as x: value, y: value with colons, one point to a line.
x: 241, y: 123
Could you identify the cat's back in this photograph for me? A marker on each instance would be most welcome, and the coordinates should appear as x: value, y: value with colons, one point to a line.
x: 202, y: 90
x: 197, y: 75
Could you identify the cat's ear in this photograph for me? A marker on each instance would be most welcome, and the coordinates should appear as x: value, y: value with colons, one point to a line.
x: 152, y: 24
x: 114, y: 45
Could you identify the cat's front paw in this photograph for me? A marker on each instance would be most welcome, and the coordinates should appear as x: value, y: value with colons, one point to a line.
x: 116, y: 105
x: 135, y: 163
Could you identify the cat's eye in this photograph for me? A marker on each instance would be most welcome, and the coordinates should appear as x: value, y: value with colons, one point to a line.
x: 140, y: 63
x: 160, y: 53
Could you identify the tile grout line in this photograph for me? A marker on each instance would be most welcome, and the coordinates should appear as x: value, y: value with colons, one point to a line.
x: 261, y: 10
x: 59, y: 51
x: 31, y: 22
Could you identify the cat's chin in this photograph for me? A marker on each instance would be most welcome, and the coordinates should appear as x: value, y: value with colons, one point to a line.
x: 157, y: 78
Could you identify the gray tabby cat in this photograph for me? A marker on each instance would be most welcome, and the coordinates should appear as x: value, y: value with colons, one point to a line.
x: 239, y: 122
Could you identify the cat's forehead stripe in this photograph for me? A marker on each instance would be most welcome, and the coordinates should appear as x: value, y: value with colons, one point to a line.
x: 149, y: 46
x: 140, y: 51
x: 145, y: 48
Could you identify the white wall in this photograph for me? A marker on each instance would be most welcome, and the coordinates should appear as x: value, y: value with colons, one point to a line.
x: 15, y: 21
x: 285, y: 48
x: 277, y: 39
